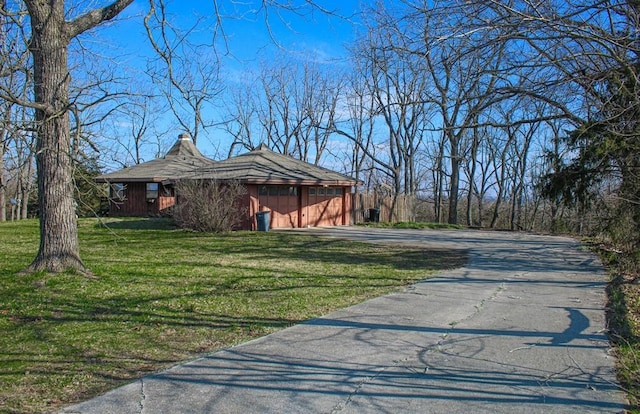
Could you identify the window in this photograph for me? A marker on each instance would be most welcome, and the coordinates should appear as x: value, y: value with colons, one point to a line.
x: 330, y: 191
x: 118, y: 191
x: 320, y: 191
x: 338, y: 191
x: 152, y: 190
x: 312, y: 191
x: 277, y: 190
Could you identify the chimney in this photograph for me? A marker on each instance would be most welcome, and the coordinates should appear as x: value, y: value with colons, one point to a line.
x: 184, y: 137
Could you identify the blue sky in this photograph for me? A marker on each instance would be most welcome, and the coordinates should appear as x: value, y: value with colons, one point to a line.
x: 246, y: 26
x: 251, y: 36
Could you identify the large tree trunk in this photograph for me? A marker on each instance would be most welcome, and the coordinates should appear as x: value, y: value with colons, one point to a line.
x: 59, y: 248
x: 50, y: 37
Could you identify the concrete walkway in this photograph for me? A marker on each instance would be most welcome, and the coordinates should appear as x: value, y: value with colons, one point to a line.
x: 520, y: 329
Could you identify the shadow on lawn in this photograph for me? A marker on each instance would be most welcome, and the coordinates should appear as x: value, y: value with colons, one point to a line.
x: 286, y: 247
x: 152, y: 223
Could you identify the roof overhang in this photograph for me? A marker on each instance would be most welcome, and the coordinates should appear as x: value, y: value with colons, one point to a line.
x: 163, y: 180
x: 256, y: 181
x: 336, y: 183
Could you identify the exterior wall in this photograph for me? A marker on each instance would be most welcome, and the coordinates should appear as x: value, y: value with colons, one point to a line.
x: 288, y: 208
x: 251, y: 200
x: 135, y: 201
x: 348, y: 207
x: 305, y: 208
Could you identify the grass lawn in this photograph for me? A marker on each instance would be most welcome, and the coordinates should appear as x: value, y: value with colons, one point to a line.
x: 163, y: 295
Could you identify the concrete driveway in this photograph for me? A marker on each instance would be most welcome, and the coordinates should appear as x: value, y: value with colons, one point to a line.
x: 520, y: 329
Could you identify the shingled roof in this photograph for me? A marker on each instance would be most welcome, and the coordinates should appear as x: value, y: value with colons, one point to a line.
x: 181, y: 161
x: 260, y: 166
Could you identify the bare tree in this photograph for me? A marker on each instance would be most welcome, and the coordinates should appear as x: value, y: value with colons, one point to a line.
x: 357, y: 123
x: 465, y: 84
x: 135, y: 128
x: 320, y: 97
x: 4, y: 142
x: 395, y: 84
x: 295, y: 108
x: 592, y: 48
x: 22, y: 179
x: 432, y: 79
x: 14, y: 80
x: 186, y: 73
x: 242, y: 117
x: 475, y: 173
x: 51, y: 34
x: 281, y: 111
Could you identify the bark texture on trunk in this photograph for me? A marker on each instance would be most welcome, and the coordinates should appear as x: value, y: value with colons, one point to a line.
x: 59, y: 249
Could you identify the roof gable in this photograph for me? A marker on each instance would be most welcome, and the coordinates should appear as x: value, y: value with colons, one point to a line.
x: 180, y: 161
x: 185, y: 148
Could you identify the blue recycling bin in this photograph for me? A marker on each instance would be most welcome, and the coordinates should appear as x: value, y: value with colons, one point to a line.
x: 263, y: 218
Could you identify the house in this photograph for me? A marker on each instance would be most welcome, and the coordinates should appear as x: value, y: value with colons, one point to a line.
x: 296, y: 193
x: 147, y: 189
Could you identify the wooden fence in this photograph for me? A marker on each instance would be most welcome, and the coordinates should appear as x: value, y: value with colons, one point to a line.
x: 365, y: 202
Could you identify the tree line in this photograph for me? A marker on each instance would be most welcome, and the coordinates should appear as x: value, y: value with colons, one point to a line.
x: 518, y: 114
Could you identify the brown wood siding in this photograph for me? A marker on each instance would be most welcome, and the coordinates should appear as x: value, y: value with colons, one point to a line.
x: 348, y: 207
x: 252, y: 203
x: 135, y: 202
x: 166, y: 199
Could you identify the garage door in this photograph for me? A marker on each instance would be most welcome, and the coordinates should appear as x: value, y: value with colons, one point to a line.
x: 325, y: 206
x: 283, y: 202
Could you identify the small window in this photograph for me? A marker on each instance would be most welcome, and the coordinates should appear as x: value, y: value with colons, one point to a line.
x: 263, y: 190
x: 118, y: 191
x: 293, y: 191
x: 330, y: 192
x: 152, y: 190
x: 312, y: 191
x: 283, y: 191
x: 273, y: 190
x: 320, y: 191
x: 338, y: 191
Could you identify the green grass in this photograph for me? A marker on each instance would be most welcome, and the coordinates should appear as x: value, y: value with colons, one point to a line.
x: 163, y: 295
